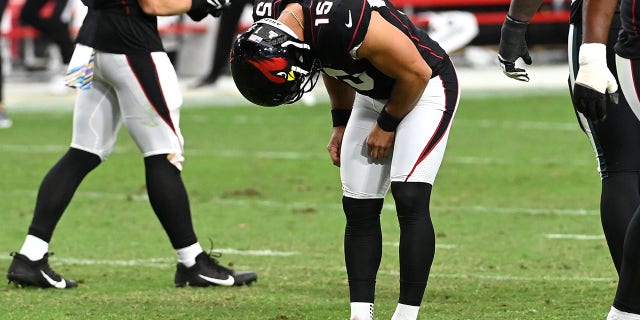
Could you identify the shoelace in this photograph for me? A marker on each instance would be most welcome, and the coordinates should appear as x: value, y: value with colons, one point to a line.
x: 213, y: 262
x: 46, y: 267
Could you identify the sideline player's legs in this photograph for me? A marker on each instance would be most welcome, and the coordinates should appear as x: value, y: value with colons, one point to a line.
x: 150, y: 100
x: 120, y: 91
x: 626, y: 304
x: 95, y: 125
x: 614, y: 142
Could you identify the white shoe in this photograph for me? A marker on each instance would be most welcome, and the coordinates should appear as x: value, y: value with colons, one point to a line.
x: 615, y: 314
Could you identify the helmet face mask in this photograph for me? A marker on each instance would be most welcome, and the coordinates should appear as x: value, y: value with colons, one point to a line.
x: 270, y: 66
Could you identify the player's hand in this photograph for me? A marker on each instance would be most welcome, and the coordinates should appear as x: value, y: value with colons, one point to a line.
x: 380, y: 142
x: 594, y: 82
x: 335, y: 144
x: 513, y: 45
x: 215, y: 7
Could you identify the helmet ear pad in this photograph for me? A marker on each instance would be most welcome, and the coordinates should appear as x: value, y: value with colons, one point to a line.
x: 270, y: 66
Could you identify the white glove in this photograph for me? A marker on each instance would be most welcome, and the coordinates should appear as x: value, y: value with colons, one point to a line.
x: 594, y: 82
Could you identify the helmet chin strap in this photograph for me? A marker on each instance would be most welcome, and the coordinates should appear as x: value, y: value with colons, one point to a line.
x: 296, y: 44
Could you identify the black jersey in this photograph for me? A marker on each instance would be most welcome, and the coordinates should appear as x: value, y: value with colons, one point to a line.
x: 119, y: 26
x: 334, y: 29
x: 628, y: 45
x: 614, y: 29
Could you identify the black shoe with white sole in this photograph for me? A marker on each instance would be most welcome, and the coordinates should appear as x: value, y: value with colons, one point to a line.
x: 24, y: 273
x: 208, y: 272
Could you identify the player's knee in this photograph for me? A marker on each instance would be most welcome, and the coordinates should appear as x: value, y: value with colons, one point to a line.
x: 361, y: 211
x: 361, y: 207
x: 167, y: 160
x: 83, y: 161
x: 176, y: 159
x: 412, y: 198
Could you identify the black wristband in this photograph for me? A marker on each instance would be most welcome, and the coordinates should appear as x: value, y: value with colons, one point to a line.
x: 198, y: 10
x: 387, y: 122
x: 513, y: 29
x: 340, y: 117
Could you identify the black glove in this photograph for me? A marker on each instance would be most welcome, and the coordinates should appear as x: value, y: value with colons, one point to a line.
x: 513, y: 45
x: 215, y: 7
x: 201, y: 8
x: 594, y: 82
x: 592, y: 104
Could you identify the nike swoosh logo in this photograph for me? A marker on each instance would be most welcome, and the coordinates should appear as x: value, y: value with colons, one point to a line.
x: 57, y: 284
x: 349, y: 23
x: 227, y: 282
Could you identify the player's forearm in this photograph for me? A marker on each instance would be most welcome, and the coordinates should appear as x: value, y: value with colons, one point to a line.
x: 596, y: 19
x: 165, y: 7
x: 523, y: 10
x: 341, y: 95
x: 406, y: 93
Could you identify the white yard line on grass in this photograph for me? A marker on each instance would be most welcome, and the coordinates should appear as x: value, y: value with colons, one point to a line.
x: 438, y: 245
x: 519, y: 278
x: 160, y: 262
x: 35, y: 95
x: 574, y: 236
x: 286, y: 155
x: 520, y: 125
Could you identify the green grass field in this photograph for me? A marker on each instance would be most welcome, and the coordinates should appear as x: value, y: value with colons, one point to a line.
x: 514, y: 207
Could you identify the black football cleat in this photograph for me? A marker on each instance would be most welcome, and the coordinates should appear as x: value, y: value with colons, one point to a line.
x: 24, y: 272
x: 208, y: 272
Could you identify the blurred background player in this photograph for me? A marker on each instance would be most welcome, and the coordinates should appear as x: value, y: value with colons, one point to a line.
x: 393, y: 92
x: 125, y: 76
x: 223, y: 39
x: 5, y: 120
x: 55, y: 28
x: 606, y: 117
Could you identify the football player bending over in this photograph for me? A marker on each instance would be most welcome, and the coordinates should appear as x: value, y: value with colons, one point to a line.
x: 394, y: 93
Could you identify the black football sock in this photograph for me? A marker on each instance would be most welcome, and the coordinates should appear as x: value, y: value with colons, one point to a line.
x: 57, y: 189
x: 628, y: 293
x: 417, y: 239
x: 619, y: 200
x: 169, y: 200
x: 362, y: 246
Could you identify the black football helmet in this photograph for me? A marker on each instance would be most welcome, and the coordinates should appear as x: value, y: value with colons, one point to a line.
x: 270, y: 66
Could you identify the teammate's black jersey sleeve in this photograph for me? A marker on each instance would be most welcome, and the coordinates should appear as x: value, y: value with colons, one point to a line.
x: 119, y: 26
x: 336, y: 28
x: 628, y: 45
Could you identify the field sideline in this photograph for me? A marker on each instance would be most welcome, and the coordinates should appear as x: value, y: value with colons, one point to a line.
x: 515, y: 208
x: 26, y: 94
